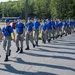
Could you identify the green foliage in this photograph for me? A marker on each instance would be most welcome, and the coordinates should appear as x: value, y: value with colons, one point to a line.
x: 41, y: 8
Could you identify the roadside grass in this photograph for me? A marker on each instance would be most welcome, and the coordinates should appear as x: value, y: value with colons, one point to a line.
x: 2, y: 23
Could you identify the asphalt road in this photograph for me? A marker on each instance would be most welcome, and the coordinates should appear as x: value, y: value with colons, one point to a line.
x: 55, y: 58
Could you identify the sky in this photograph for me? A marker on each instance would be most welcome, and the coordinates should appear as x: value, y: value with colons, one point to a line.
x: 6, y: 0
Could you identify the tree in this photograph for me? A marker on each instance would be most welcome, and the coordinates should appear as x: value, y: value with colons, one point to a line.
x: 41, y: 8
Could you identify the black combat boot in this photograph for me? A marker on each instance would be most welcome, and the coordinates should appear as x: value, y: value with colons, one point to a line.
x: 66, y: 34
x: 42, y: 40
x: 17, y: 49
x: 49, y: 40
x: 53, y: 38
x: 9, y: 52
x: 21, y: 51
x: 58, y: 36
x: 6, y: 59
x: 36, y: 43
x: 61, y: 35
x: 27, y: 48
x: 33, y: 46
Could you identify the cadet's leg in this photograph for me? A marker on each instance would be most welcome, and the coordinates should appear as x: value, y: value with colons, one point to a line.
x: 36, y: 37
x: 53, y: 34
x: 17, y: 42
x: 42, y: 36
x: 31, y: 40
x: 27, y: 41
x: 65, y: 31
x: 4, y: 43
x: 8, y: 45
x: 70, y: 29
x: 61, y: 32
x: 21, y: 41
x: 45, y: 37
x: 35, y: 33
x: 58, y: 32
x: 49, y: 35
x: 8, y: 51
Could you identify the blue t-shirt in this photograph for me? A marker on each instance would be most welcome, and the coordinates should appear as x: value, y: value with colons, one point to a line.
x: 7, y: 30
x: 74, y: 23
x: 57, y: 25
x: 60, y: 24
x: 19, y: 28
x: 64, y: 24
x: 36, y: 24
x: 29, y: 26
x: 52, y: 24
x: 48, y: 25
x: 43, y: 27
x: 68, y: 23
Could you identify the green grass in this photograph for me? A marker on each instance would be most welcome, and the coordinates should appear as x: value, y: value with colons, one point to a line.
x: 2, y: 23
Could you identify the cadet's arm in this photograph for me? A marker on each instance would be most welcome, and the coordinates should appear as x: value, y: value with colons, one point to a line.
x: 1, y: 36
x: 24, y: 31
x: 13, y: 36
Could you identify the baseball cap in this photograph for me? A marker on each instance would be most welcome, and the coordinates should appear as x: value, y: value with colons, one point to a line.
x: 7, y: 20
x: 29, y: 18
x: 19, y: 17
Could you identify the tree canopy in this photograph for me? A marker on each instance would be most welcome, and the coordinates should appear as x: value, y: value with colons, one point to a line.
x: 41, y: 8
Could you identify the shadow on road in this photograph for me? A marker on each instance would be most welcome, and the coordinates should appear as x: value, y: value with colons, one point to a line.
x: 57, y: 47
x: 21, y: 61
x: 11, y: 69
x: 51, y: 51
x: 56, y: 57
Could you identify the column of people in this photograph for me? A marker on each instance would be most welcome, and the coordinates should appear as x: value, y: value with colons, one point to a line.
x: 49, y: 29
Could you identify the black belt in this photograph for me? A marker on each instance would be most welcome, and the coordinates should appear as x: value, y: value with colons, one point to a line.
x: 20, y: 33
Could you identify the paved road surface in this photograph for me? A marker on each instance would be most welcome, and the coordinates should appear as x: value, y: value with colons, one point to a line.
x: 55, y: 58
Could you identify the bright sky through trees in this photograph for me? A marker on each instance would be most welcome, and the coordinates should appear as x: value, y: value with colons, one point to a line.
x: 6, y: 0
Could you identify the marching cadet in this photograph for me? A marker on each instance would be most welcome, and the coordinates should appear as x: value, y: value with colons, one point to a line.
x: 1, y: 36
x: 44, y: 31
x: 68, y: 26
x: 7, y: 30
x: 20, y: 31
x: 29, y: 33
x: 60, y: 28
x: 36, y: 26
x: 64, y: 24
x: 57, y: 28
x: 53, y: 28
x: 48, y: 27
x: 72, y: 25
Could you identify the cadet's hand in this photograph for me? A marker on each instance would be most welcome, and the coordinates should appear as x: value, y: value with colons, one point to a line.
x: 0, y: 40
x: 31, y: 33
x: 13, y: 40
x: 22, y: 35
x: 39, y: 31
x: 44, y: 32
